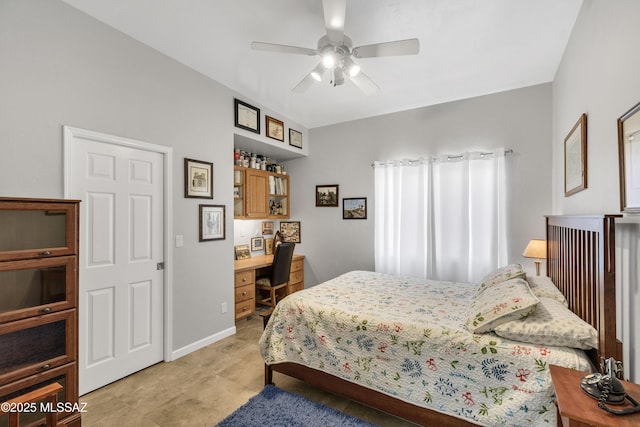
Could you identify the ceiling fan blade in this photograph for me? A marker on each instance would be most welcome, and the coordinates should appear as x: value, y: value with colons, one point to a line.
x: 365, y: 83
x: 272, y: 47
x: 400, y: 47
x: 304, y: 84
x: 334, y: 15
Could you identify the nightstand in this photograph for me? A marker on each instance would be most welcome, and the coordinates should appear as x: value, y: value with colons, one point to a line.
x: 577, y: 409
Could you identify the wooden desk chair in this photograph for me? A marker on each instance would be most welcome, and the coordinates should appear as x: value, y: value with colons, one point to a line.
x: 279, y: 277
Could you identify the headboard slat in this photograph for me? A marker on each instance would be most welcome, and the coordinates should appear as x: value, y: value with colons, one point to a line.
x: 581, y: 262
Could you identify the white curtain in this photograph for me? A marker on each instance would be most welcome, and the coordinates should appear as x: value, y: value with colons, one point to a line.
x: 402, y: 225
x: 441, y: 218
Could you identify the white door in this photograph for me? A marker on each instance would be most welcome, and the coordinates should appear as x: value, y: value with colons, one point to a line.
x: 121, y: 231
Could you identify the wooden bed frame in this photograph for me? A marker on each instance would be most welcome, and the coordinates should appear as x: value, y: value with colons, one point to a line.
x: 580, y: 260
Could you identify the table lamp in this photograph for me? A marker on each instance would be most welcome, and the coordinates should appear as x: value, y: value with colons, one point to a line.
x: 536, y: 249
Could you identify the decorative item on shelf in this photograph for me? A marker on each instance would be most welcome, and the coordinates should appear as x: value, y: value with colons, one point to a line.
x: 327, y: 195
x: 290, y: 231
x: 277, y: 239
x: 629, y: 167
x: 275, y: 128
x: 575, y: 158
x: 536, y: 249
x: 354, y: 208
x: 246, y: 116
x: 212, y: 222
x: 242, y: 251
x: 275, y: 207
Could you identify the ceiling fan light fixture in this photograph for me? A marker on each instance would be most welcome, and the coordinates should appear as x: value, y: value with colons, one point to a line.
x: 329, y: 57
x: 318, y: 73
x: 350, y: 67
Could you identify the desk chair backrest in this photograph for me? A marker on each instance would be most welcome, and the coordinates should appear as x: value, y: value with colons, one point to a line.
x: 281, y: 266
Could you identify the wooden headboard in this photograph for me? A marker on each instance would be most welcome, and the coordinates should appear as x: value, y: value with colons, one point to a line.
x: 581, y: 262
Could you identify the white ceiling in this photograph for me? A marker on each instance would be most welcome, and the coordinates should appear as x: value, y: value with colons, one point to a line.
x: 467, y: 48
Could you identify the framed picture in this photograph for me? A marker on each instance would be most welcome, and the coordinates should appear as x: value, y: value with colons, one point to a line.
x: 212, y: 222
x: 575, y: 158
x: 327, y: 195
x: 257, y: 243
x: 268, y: 246
x: 290, y: 231
x: 247, y: 116
x: 629, y: 158
x: 275, y: 128
x: 267, y: 227
x: 242, y: 252
x: 198, y: 179
x: 354, y: 208
x: 295, y: 138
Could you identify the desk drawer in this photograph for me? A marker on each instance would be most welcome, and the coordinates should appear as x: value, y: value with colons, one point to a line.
x: 245, y: 308
x: 297, y: 265
x: 244, y: 293
x: 296, y: 277
x: 245, y: 278
x: 295, y: 287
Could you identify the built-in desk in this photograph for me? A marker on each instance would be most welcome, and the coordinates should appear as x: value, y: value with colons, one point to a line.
x: 245, y: 281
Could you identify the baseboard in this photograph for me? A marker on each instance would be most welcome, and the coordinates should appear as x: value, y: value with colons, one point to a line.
x: 176, y: 354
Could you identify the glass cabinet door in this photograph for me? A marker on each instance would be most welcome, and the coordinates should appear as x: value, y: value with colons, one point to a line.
x: 35, y: 287
x: 36, y: 346
x: 36, y: 230
x: 238, y: 192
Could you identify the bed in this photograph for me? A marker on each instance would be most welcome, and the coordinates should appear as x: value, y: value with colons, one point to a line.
x: 408, y: 353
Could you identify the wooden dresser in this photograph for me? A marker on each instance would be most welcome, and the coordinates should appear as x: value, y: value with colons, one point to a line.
x: 245, y: 280
x: 38, y: 304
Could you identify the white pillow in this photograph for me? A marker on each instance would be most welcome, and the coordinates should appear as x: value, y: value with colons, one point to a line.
x: 543, y: 286
x: 499, y: 303
x: 551, y: 324
x: 502, y: 274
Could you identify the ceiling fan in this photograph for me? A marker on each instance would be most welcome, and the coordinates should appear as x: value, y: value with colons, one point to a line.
x: 336, y: 52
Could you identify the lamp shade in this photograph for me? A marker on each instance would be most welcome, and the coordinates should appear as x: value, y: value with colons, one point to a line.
x: 536, y: 249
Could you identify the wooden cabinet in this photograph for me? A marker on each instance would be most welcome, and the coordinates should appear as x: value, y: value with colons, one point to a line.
x: 259, y: 194
x: 245, y: 293
x: 38, y: 302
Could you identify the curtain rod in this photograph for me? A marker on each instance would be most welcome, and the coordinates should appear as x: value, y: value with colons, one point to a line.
x: 449, y: 157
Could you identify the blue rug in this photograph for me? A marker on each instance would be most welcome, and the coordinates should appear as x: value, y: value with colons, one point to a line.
x: 275, y: 407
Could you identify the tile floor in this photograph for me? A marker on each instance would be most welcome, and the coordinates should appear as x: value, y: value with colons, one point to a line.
x: 204, y: 387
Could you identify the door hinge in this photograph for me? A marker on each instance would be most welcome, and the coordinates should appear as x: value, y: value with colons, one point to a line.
x: 160, y: 266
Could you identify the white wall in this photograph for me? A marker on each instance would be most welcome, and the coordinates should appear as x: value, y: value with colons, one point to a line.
x: 342, y: 154
x: 59, y: 67
x: 599, y: 76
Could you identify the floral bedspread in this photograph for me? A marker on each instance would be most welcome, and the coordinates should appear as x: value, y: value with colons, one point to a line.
x: 406, y: 338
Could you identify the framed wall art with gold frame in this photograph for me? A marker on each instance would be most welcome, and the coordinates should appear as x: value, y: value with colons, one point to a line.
x: 575, y: 158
